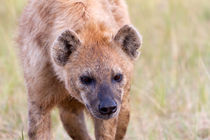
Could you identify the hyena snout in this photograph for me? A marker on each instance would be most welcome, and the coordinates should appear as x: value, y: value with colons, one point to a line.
x: 107, y: 107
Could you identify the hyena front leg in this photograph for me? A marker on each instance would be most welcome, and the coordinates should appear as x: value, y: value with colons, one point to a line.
x: 123, y: 120
x: 39, y: 122
x: 44, y: 92
x: 72, y: 117
x: 105, y: 129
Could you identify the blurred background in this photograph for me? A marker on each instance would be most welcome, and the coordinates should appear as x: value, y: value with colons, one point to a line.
x: 170, y: 97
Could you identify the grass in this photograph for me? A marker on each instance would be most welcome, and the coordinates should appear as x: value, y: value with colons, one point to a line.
x: 170, y: 96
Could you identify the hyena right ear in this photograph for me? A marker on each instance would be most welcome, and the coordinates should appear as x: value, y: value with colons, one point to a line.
x: 64, y: 46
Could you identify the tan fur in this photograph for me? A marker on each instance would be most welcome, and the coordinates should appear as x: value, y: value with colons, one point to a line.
x: 96, y: 22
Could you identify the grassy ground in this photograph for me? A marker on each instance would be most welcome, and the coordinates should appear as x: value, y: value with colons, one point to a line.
x: 171, y: 90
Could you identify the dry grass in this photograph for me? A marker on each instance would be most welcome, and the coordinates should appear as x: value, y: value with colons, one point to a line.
x: 171, y: 90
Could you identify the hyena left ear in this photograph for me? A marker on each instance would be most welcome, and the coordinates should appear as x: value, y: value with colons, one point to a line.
x: 64, y: 46
x: 129, y: 39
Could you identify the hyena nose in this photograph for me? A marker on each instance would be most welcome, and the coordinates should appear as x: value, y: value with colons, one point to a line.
x: 107, y: 108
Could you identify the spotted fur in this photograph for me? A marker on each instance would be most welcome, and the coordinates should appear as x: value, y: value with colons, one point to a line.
x: 58, y: 41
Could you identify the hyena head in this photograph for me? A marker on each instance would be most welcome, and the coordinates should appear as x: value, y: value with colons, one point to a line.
x: 97, y: 73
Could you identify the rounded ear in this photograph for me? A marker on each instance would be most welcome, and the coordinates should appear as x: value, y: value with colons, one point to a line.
x: 129, y: 39
x: 64, y: 46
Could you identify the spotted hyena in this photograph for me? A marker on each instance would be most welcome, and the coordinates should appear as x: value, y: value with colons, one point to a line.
x: 78, y: 55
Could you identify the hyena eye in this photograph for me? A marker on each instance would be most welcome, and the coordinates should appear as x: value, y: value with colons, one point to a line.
x: 118, y: 77
x: 87, y: 80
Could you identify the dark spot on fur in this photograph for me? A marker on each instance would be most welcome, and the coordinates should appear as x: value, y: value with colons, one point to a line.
x: 41, y: 39
x: 128, y: 116
x: 124, y: 130
x: 74, y: 110
x: 33, y: 103
x: 40, y: 107
x: 31, y: 134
